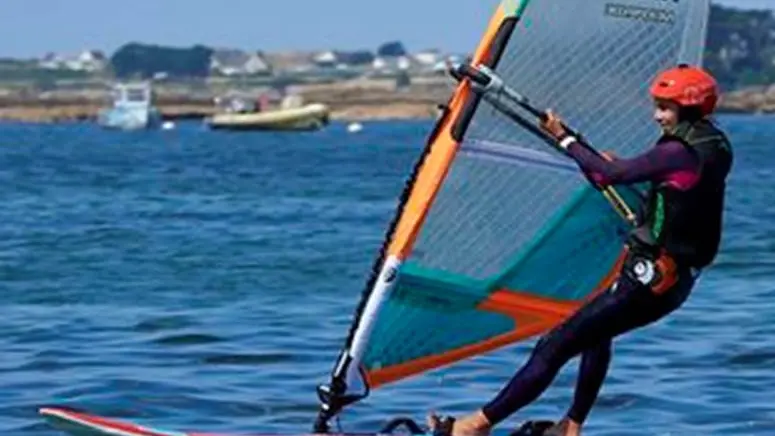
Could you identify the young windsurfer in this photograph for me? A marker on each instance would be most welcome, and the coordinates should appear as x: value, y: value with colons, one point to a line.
x: 679, y: 235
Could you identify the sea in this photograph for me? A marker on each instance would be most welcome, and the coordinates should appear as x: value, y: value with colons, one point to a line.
x: 205, y: 281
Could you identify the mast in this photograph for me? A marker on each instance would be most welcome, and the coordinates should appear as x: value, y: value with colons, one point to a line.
x: 334, y: 396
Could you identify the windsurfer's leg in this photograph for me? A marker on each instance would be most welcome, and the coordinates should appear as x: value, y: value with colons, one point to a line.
x: 596, y: 360
x: 549, y: 355
x: 592, y: 371
x: 611, y: 313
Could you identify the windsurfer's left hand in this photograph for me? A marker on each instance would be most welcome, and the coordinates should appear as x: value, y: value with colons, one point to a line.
x: 609, y: 155
x: 553, y: 125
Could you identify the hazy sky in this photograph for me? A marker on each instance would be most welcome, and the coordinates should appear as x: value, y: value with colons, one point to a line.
x: 30, y: 28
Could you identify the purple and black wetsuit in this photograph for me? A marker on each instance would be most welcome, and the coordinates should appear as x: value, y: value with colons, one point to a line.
x: 667, y: 162
x: 627, y: 305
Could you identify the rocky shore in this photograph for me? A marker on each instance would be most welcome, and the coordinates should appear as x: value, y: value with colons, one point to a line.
x: 349, y: 101
x: 355, y: 100
x: 757, y: 99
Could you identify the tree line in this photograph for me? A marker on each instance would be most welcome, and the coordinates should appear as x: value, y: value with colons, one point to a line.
x: 740, y: 51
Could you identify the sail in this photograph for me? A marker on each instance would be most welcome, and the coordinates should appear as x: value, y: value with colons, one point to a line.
x: 498, y: 237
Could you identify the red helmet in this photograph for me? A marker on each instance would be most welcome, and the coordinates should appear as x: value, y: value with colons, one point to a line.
x: 687, y: 86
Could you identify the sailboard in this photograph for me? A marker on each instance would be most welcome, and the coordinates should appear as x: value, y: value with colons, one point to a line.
x: 497, y: 237
x: 82, y: 423
x: 85, y: 424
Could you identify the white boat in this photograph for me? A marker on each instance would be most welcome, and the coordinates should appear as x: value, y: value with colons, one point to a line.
x: 132, y: 108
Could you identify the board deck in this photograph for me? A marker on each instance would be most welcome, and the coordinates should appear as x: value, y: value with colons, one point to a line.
x: 80, y: 423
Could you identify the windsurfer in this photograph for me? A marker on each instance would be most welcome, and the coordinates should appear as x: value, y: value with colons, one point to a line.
x: 679, y: 234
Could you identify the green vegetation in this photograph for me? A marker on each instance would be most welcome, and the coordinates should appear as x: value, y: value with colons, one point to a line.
x: 392, y: 48
x: 144, y: 61
x: 740, y: 48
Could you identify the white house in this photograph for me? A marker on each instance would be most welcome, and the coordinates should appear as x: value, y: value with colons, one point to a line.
x: 427, y: 58
x: 51, y: 61
x: 88, y: 60
x: 237, y: 62
x: 326, y: 59
x: 400, y: 63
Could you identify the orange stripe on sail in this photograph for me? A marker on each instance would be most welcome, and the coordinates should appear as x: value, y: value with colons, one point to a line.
x: 510, y: 302
x: 528, y: 326
x: 439, y: 159
x: 531, y: 313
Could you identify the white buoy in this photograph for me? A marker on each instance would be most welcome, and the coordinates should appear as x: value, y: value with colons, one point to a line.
x: 354, y: 127
x: 167, y: 125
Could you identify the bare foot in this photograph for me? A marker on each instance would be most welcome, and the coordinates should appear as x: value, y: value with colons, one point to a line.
x: 475, y: 424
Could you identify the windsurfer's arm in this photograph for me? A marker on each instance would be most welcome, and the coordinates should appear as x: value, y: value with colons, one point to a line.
x: 657, y: 163
x: 668, y: 159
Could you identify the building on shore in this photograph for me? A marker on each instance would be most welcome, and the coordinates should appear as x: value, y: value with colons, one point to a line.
x: 90, y: 61
x: 227, y: 62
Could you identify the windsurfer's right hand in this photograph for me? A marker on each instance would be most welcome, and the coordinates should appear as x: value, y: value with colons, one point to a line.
x: 609, y: 155
x: 553, y: 125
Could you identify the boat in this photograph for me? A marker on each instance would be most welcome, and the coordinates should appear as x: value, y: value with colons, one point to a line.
x: 309, y: 117
x: 132, y: 108
x: 292, y: 115
x: 469, y: 262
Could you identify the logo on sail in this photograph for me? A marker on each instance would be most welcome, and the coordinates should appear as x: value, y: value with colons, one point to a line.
x: 630, y: 12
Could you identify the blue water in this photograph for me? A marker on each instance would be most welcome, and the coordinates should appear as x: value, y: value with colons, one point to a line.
x: 202, y: 280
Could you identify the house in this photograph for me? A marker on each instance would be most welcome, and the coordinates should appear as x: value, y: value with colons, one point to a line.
x: 343, y: 60
x: 237, y: 62
x: 445, y: 62
x: 391, y: 64
x: 292, y: 62
x: 357, y: 58
x: 427, y: 58
x: 326, y: 59
x: 88, y: 61
x: 51, y: 61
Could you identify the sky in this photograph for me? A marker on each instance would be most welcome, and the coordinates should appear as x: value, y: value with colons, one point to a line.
x: 31, y: 28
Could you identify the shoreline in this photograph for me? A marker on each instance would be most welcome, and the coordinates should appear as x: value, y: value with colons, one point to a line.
x: 362, y: 100
x: 46, y: 114
x: 356, y: 100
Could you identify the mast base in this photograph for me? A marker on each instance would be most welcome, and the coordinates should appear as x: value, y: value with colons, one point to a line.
x: 332, y: 401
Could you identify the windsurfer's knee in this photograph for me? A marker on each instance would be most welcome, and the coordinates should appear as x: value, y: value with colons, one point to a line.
x: 598, y: 354
x: 554, y: 348
x: 601, y: 348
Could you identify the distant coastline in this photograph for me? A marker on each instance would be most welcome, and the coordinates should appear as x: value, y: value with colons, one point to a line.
x: 387, y: 83
x: 357, y: 100
x: 373, y: 99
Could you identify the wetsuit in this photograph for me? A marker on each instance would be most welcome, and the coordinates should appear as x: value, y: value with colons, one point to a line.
x: 672, y: 165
